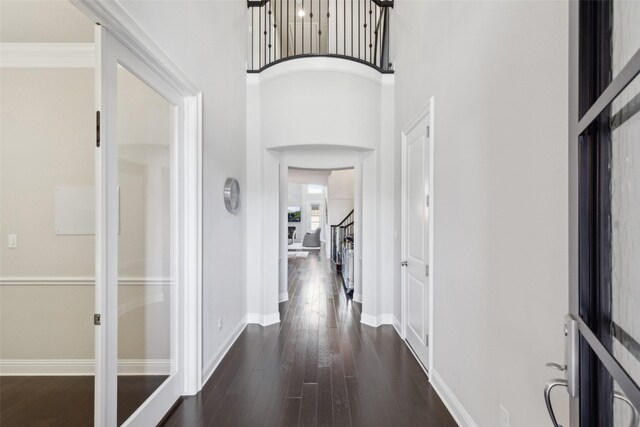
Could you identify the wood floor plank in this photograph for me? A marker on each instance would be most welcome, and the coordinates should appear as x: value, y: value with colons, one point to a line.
x: 291, y: 412
x: 325, y: 402
x: 309, y: 405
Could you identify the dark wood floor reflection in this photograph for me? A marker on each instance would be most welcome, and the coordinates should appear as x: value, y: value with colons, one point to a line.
x: 66, y: 401
x: 319, y: 366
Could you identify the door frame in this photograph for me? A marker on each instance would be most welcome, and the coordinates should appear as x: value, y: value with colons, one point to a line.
x: 426, y: 110
x: 121, y: 25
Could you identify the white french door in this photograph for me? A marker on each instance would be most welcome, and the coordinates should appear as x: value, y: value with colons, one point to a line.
x: 138, y: 239
x: 416, y: 230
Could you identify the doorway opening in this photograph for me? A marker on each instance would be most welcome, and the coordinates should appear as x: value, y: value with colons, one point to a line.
x: 318, y: 204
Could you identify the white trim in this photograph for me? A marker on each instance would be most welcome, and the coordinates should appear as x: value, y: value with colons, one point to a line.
x: 215, y: 360
x: 357, y: 296
x: 76, y: 367
x: 47, y: 55
x: 192, y: 349
x: 415, y: 356
x: 115, y: 18
x: 81, y: 281
x: 397, y: 325
x: 432, y: 199
x: 459, y: 413
x: 324, y: 64
x: 375, y: 321
x: 266, y: 320
x: 284, y: 296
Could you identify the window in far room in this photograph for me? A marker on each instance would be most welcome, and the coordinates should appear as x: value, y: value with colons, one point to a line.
x: 314, y: 217
x: 314, y: 189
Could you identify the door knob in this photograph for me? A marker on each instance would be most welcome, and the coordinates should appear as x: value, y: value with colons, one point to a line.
x: 404, y: 263
x: 547, y: 398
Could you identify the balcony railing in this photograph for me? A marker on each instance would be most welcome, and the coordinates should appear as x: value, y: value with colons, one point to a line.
x: 357, y: 30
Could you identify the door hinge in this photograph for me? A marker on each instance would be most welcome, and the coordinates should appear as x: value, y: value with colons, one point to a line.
x: 427, y: 131
x: 427, y: 201
x: 426, y: 340
x: 98, y: 129
x: 426, y: 267
x: 96, y: 319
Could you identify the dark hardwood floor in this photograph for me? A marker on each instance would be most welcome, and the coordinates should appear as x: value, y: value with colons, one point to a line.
x: 65, y: 401
x: 319, y: 366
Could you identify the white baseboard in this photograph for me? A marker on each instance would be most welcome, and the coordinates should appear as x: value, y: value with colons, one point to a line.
x: 375, y: 321
x: 79, y: 367
x: 215, y: 360
x: 284, y: 296
x: 460, y: 415
x: 397, y: 326
x: 263, y: 320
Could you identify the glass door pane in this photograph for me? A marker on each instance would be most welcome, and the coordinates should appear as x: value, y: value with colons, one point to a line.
x: 145, y: 136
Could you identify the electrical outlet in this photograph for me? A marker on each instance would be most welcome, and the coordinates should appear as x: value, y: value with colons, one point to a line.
x: 12, y: 241
x: 220, y: 323
x: 504, y: 416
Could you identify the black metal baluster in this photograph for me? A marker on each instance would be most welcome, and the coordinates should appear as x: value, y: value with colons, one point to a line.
x: 295, y: 30
x: 281, y: 9
x: 319, y: 26
x: 351, y: 1
x: 287, y: 34
x: 344, y: 27
x: 270, y: 39
x: 311, y: 26
x: 253, y: 39
x: 259, y: 40
x: 375, y: 34
x: 328, y: 24
x: 364, y: 26
x: 359, y: 30
x: 370, y: 25
x: 336, y: 1
x: 302, y: 27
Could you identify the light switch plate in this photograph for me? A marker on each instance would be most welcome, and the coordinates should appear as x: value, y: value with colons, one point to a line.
x: 12, y: 241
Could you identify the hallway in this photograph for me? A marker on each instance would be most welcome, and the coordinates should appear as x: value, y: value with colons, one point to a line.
x: 319, y: 366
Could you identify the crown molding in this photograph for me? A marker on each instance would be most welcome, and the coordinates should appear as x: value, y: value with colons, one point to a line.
x: 47, y: 55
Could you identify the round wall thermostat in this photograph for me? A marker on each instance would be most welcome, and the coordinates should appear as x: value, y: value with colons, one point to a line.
x: 232, y: 195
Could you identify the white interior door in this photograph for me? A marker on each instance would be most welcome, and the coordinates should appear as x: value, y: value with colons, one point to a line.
x: 416, y: 238
x: 138, y: 240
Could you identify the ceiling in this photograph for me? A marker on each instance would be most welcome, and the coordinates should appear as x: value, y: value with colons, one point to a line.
x: 48, y: 21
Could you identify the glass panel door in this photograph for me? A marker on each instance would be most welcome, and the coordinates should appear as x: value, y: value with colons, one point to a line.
x: 146, y: 143
x: 139, y: 244
x: 605, y: 220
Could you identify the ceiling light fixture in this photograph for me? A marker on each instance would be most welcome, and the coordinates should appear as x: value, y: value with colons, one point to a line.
x: 301, y: 13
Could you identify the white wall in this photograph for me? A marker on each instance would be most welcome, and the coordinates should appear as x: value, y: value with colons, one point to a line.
x: 322, y: 113
x: 340, y: 195
x: 498, y: 71
x: 207, y: 40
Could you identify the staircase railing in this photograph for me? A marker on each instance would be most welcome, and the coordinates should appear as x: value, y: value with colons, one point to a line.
x: 358, y: 30
x: 339, y: 233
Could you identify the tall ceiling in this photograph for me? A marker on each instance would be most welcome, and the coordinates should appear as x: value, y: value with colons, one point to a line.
x: 48, y: 21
